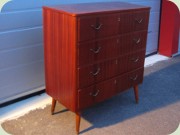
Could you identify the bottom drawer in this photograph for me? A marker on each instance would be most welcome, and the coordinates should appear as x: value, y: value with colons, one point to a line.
x: 130, y: 79
x: 84, y: 97
x: 96, y: 93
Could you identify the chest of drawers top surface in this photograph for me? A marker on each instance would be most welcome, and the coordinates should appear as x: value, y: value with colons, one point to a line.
x: 94, y: 8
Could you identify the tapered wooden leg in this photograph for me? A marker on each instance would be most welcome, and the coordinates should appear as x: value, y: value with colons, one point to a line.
x: 78, y: 119
x: 136, y: 93
x: 53, y: 106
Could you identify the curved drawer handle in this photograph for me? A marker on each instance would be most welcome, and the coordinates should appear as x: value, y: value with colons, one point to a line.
x: 94, y: 94
x: 134, y: 78
x: 135, y: 60
x: 97, y: 27
x: 139, y: 20
x: 137, y: 41
x: 96, y: 73
x: 96, y: 51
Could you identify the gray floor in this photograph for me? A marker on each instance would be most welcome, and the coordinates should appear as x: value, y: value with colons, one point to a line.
x: 158, y: 112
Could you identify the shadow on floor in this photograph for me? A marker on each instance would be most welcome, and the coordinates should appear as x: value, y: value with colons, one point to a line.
x: 158, y: 90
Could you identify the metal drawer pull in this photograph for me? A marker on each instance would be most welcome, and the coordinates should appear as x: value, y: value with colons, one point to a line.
x: 139, y: 20
x: 96, y: 73
x: 96, y: 51
x: 134, y: 78
x: 95, y: 94
x: 97, y: 27
x: 137, y: 41
x: 135, y: 60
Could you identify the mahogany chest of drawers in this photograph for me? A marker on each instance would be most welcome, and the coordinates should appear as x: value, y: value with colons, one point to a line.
x: 93, y: 51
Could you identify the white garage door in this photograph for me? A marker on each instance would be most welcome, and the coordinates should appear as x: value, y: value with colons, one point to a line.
x: 21, y: 44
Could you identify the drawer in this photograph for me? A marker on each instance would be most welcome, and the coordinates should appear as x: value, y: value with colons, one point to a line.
x: 92, y: 52
x: 85, y: 98
x: 95, y: 73
x: 136, y: 60
x: 132, y: 42
x: 133, y: 21
x: 140, y: 20
x: 97, y: 93
x: 130, y: 79
x: 139, y: 40
x: 130, y: 62
x: 125, y: 22
x: 97, y: 26
x: 106, y: 90
x: 123, y: 64
x: 86, y: 76
x: 85, y: 30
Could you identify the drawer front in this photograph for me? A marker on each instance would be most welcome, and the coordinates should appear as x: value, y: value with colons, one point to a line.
x: 85, y: 30
x: 136, y: 60
x: 140, y: 20
x: 105, y: 90
x: 130, y: 79
x: 85, y: 98
x: 85, y: 76
x: 139, y: 40
x: 109, y: 27
x: 92, y: 27
x: 97, y: 26
x: 125, y: 22
x: 87, y: 53
x: 95, y: 73
x: 89, y: 75
x: 132, y: 42
x: 123, y: 64
x: 130, y: 62
x: 133, y: 21
x: 92, y: 52
x: 96, y: 93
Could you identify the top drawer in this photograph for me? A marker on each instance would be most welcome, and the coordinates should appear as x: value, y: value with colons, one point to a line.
x: 98, y: 26
x: 133, y: 21
x: 140, y: 20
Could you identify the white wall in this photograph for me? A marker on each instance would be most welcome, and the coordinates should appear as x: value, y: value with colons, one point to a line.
x: 21, y: 43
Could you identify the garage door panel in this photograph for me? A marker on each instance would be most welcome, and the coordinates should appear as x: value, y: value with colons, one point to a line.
x: 20, y: 79
x: 152, y: 42
x: 154, y: 17
x: 18, y: 20
x: 21, y: 56
x: 153, y: 27
x: 19, y: 5
x: 155, y: 5
x: 20, y: 38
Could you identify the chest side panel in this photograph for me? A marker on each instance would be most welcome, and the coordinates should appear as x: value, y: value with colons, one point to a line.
x: 60, y: 57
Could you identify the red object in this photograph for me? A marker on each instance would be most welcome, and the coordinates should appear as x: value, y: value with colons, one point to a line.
x: 169, y: 29
x: 93, y: 52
